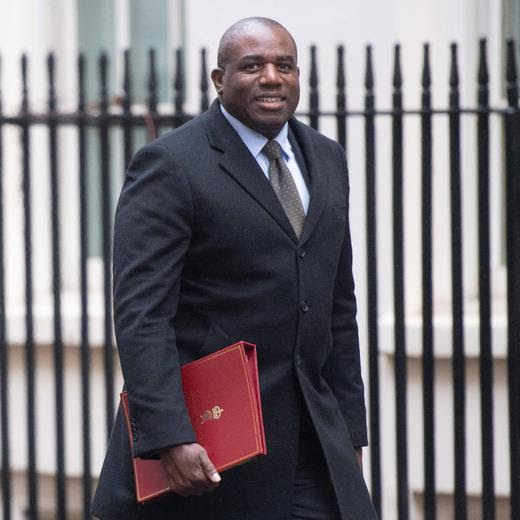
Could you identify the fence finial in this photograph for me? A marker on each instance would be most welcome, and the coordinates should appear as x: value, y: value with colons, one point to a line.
x: 341, y: 98
x: 51, y: 78
x: 340, y: 73
x: 511, y: 75
x: 483, y: 76
x: 454, y: 70
x: 204, y: 101
x: 103, y: 73
x: 127, y: 82
x: 25, y: 92
x: 179, y: 83
x: 314, y: 101
x: 454, y: 78
x: 152, y: 82
x: 397, y: 82
x: 426, y: 79
x: 397, y: 77
x: 369, y: 71
x: 369, y: 81
x: 81, y: 82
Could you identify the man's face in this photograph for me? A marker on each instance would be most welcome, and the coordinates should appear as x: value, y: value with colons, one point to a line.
x: 259, y: 84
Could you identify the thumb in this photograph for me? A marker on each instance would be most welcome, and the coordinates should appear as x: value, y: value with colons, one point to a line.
x: 208, y: 468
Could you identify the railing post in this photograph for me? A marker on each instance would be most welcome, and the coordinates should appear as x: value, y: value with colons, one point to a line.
x: 457, y: 292
x: 106, y: 210
x: 486, y: 356
x: 61, y: 498
x: 5, y: 470
x: 83, y: 244
x: 428, y: 359
x: 30, y: 355
x: 372, y: 290
x: 512, y: 156
x: 400, y: 372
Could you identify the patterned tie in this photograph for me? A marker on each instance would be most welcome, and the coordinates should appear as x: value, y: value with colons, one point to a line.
x: 284, y: 186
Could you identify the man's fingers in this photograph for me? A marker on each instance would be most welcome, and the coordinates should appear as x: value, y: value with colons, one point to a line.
x: 208, y: 468
x: 189, y: 470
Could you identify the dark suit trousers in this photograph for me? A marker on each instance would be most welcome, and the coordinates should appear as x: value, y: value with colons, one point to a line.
x: 313, y: 497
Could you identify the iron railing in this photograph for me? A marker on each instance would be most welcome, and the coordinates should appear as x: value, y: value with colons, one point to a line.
x: 104, y: 118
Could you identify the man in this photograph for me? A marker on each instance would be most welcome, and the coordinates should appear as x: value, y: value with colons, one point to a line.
x: 235, y: 227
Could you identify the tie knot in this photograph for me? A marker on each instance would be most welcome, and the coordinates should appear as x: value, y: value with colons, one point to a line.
x: 272, y: 150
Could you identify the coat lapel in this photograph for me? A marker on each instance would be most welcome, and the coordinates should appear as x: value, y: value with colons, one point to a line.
x: 319, y: 178
x: 238, y: 162
x: 242, y: 166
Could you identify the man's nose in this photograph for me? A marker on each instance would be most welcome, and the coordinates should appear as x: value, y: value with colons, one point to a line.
x: 270, y: 74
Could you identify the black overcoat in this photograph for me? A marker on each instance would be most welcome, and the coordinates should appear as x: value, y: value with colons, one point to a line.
x: 204, y: 256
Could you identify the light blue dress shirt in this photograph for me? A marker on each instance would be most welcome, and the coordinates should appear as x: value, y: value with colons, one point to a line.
x: 255, y: 142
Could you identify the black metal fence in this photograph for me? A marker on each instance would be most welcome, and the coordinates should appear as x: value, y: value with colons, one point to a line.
x: 104, y: 117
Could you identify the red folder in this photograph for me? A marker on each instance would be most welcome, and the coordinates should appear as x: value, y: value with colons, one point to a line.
x: 223, y: 399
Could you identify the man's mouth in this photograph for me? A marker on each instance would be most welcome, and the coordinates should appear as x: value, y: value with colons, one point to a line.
x: 269, y: 99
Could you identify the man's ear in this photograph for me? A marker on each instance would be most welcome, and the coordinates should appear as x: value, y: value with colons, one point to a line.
x: 216, y: 77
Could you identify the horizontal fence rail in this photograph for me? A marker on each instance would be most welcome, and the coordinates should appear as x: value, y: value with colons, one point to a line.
x: 96, y: 158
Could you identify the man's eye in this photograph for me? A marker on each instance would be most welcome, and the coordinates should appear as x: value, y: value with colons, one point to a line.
x: 284, y: 67
x: 251, y: 66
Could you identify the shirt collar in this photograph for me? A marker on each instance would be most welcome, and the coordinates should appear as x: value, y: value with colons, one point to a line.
x: 252, y: 139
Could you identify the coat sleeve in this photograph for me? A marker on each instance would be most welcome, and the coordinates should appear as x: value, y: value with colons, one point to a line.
x: 151, y: 238
x: 344, y: 361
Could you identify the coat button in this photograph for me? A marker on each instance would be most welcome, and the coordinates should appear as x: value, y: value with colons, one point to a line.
x: 304, y: 306
x: 302, y: 253
x: 298, y: 360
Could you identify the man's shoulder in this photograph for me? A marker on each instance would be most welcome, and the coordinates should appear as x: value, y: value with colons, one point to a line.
x: 301, y: 129
x: 178, y: 139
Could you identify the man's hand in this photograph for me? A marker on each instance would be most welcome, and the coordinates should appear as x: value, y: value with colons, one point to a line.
x: 189, y: 470
x: 359, y: 456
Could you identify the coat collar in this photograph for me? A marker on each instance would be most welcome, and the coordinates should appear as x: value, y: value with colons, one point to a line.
x: 238, y: 162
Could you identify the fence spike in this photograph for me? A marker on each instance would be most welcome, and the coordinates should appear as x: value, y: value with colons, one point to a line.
x: 397, y: 82
x: 369, y: 73
x: 397, y: 78
x: 81, y: 82
x: 341, y: 98
x: 204, y: 102
x: 313, y: 94
x: 313, y: 78
x: 51, y: 78
x: 426, y: 79
x: 454, y: 70
x: 483, y: 74
x: 340, y: 74
x: 454, y: 78
x: 103, y: 92
x: 511, y: 75
x: 127, y: 109
x: 152, y: 82
x: 179, y: 84
x: 25, y: 92
x: 127, y: 82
